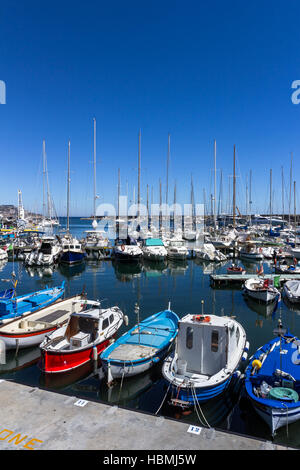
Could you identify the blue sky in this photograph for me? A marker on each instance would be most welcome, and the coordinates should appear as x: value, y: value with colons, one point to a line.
x: 197, y: 70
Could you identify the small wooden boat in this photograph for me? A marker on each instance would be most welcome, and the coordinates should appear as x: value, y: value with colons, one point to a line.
x: 28, y: 303
x: 261, y: 289
x: 209, y: 350
x: 272, y: 380
x: 142, y: 346
x: 234, y: 269
x: 82, y: 339
x: 32, y: 328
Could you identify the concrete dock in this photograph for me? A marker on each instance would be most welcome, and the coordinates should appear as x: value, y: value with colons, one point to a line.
x: 223, y: 280
x: 36, y: 419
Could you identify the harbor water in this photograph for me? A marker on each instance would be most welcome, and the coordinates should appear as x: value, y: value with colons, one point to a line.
x: 153, y: 286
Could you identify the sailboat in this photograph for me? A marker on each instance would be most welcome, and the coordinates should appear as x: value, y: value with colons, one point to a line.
x: 72, y: 251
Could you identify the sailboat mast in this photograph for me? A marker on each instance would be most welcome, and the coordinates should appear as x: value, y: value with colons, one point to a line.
x: 290, y: 198
x: 233, y: 199
x: 282, y: 191
x: 215, y: 183
x: 270, y: 199
x: 68, y: 190
x: 139, y: 174
x: 295, y: 225
x: 250, y: 196
x: 95, y: 189
x: 168, y: 162
x: 44, y: 177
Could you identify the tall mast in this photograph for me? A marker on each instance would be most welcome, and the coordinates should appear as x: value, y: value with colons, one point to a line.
x: 139, y: 174
x: 250, y: 196
x: 233, y: 199
x: 215, y: 183
x: 270, y: 199
x: 168, y: 162
x: 282, y: 191
x: 68, y: 190
x: 295, y: 225
x: 95, y: 189
x: 44, y: 178
x: 290, y: 198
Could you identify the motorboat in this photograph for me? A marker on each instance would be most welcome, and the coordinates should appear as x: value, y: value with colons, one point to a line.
x: 261, y: 289
x: 141, y: 347
x: 127, y: 250
x: 82, y: 339
x: 177, y: 250
x: 272, y: 380
x: 72, y: 251
x: 48, y: 252
x: 154, y: 249
x: 209, y: 351
x: 291, y: 290
x: 209, y: 253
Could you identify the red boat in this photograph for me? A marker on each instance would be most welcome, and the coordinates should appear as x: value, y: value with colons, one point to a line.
x: 235, y: 270
x: 81, y: 340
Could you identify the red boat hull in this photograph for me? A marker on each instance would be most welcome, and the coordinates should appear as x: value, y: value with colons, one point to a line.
x: 63, y: 361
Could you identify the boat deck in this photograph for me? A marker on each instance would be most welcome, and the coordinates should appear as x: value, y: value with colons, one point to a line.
x: 132, y: 352
x: 51, y: 317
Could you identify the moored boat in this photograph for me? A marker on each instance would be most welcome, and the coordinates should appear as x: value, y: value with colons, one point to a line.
x: 291, y: 290
x: 32, y: 328
x: 261, y: 289
x: 22, y: 304
x: 82, y: 339
x: 234, y: 269
x: 142, y: 346
x: 272, y: 380
x: 209, y: 350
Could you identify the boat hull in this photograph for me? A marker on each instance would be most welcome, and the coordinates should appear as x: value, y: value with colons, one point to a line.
x: 63, y: 361
x: 72, y: 257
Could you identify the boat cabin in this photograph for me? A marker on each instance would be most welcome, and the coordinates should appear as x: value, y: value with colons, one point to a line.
x: 153, y: 242
x: 203, y: 345
x: 84, y: 328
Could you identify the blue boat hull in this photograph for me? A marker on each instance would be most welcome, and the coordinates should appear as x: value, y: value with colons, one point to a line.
x: 189, y: 396
x: 29, y: 303
x: 72, y: 257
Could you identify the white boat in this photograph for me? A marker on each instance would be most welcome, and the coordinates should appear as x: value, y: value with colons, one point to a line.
x: 209, y: 350
x: 49, y: 251
x: 127, y: 250
x: 292, y: 290
x: 32, y: 328
x: 177, y: 250
x: 154, y: 249
x: 261, y: 289
x: 3, y: 254
x: 209, y: 253
x: 251, y: 253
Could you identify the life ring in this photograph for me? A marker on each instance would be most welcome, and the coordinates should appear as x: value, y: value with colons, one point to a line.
x: 123, y: 247
x: 202, y: 318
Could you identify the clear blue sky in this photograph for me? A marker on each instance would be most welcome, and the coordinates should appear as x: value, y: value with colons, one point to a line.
x: 197, y: 70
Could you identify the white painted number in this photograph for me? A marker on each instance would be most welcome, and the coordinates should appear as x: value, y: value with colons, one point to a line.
x: 80, y: 402
x: 194, y: 429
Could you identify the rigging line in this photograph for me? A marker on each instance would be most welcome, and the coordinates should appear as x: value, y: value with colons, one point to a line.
x: 193, y: 388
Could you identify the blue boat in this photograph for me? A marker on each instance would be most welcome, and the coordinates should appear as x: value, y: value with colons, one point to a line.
x: 209, y: 350
x: 72, y: 252
x: 141, y: 347
x: 272, y: 380
x: 18, y: 306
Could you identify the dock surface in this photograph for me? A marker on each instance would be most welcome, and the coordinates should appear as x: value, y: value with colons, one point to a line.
x: 37, y: 419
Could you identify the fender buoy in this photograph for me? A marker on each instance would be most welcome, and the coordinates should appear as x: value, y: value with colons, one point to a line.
x: 256, y: 364
x: 123, y: 247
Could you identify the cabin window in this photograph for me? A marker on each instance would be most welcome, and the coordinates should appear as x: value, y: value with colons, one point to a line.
x: 71, y: 247
x: 189, y: 337
x: 105, y: 323
x: 214, y: 341
x: 111, y: 318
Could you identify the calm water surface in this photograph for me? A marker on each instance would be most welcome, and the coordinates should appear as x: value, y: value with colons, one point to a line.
x: 153, y: 286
